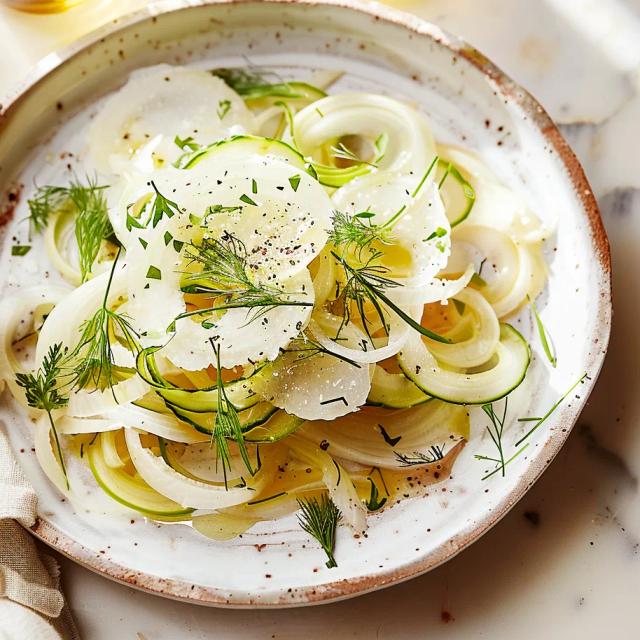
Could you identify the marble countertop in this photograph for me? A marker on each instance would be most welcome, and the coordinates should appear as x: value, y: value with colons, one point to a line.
x: 565, y: 563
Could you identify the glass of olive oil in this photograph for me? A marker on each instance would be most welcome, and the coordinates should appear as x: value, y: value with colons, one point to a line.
x: 41, y: 6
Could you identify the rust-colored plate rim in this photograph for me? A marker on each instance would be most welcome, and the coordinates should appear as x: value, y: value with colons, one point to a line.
x: 338, y: 590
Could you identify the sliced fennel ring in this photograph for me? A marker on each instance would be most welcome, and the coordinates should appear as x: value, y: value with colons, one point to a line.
x: 410, y: 146
x: 512, y: 359
x: 328, y: 330
x: 335, y: 478
x: 360, y: 437
x: 13, y: 311
x: 510, y: 271
x: 495, y: 250
x: 495, y: 205
x: 160, y: 424
x: 181, y: 489
x: 130, y: 492
x: 477, y: 349
x: 530, y: 281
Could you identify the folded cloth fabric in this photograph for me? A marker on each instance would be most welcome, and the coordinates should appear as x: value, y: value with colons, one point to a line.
x: 31, y: 603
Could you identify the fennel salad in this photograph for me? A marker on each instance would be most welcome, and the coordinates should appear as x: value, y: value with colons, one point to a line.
x: 271, y: 300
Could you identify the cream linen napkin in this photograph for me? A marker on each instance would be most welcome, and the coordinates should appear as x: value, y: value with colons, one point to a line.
x: 33, y: 607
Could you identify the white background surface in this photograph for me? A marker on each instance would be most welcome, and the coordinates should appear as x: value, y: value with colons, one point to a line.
x: 565, y: 563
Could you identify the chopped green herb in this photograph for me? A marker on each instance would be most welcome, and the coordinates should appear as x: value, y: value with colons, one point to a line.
x: 225, y: 274
x: 154, y: 273
x: 273, y: 497
x: 133, y: 223
x: 374, y: 503
x: 143, y: 242
x: 47, y: 201
x: 162, y: 206
x: 294, y: 181
x: 20, y: 249
x: 247, y: 200
x: 186, y: 143
x: 343, y: 152
x: 438, y: 233
x: 380, y: 145
x: 356, y: 230
x: 167, y: 238
x: 92, y: 358
x: 92, y: 222
x: 390, y: 223
x: 254, y: 186
x: 367, y: 283
x: 392, y: 442
x: 88, y: 204
x: 460, y: 306
x: 223, y: 108
x: 189, y: 146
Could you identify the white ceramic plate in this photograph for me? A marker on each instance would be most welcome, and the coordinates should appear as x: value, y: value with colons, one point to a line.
x: 469, y: 101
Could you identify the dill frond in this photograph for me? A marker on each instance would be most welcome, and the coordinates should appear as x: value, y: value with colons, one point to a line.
x: 367, y: 283
x: 225, y: 274
x: 356, y: 231
x: 92, y: 222
x: 545, y: 337
x: 42, y: 391
x: 47, y: 201
x: 319, y: 518
x: 227, y: 424
x: 91, y: 361
x: 89, y: 205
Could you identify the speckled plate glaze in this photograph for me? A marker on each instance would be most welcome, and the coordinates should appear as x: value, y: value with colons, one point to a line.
x: 469, y: 101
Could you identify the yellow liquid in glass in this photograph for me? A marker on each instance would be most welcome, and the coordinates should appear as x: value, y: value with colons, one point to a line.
x: 41, y: 6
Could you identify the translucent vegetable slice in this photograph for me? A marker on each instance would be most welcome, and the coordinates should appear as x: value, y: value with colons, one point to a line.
x: 244, y: 335
x: 378, y: 437
x: 502, y: 374
x: 164, y: 102
x: 314, y: 385
x: 181, y: 489
x: 409, y: 143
